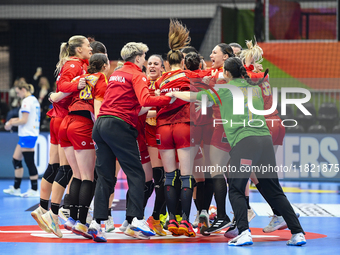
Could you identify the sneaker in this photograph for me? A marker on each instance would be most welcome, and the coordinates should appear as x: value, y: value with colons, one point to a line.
x: 81, y: 229
x: 96, y: 232
x: 142, y: 226
x: 36, y: 214
x: 277, y: 223
x: 204, y: 221
x: 12, y: 191
x: 135, y: 233
x: 185, y: 228
x: 89, y: 218
x: 163, y: 218
x: 109, y: 224
x: 219, y: 224
x: 212, y: 212
x: 232, y: 231
x: 297, y: 240
x: 51, y: 222
x: 173, y: 227
x: 69, y: 223
x: 124, y: 226
x: 196, y: 221
x: 64, y: 213
x: 251, y: 214
x: 31, y: 193
x: 156, y: 226
x: 243, y: 239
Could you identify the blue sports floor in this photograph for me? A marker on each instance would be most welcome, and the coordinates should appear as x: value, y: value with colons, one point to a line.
x: 317, y: 203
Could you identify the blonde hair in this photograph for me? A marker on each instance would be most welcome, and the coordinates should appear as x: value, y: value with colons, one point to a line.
x: 178, y: 39
x: 133, y: 49
x: 119, y: 65
x: 253, y: 53
x: 24, y: 85
x: 68, y: 49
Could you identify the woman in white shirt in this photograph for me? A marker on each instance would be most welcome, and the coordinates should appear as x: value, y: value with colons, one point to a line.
x: 28, y: 130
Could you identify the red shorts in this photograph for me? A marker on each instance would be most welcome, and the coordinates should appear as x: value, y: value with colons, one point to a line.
x: 173, y: 136
x: 202, y: 133
x: 150, y: 135
x: 276, y: 130
x: 219, y: 139
x: 143, y: 149
x: 76, y: 131
x: 54, y: 129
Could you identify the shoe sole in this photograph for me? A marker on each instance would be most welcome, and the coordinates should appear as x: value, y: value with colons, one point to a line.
x: 40, y: 222
x: 298, y: 244
x: 95, y: 238
x: 136, y: 235
x: 80, y: 233
x: 68, y: 227
x: 109, y: 230
x: 60, y: 236
x: 185, y: 231
x: 246, y: 243
x: 174, y: 231
x: 146, y: 233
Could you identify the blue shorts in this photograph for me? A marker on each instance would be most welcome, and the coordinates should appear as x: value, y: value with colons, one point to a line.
x: 27, y: 141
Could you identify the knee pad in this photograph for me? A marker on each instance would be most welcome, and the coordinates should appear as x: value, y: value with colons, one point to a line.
x: 170, y: 179
x: 148, y: 188
x: 158, y: 176
x: 17, y: 163
x: 29, y: 160
x: 187, y: 181
x: 64, y: 175
x: 51, y: 172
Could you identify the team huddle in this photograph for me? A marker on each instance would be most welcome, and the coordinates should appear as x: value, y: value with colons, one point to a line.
x: 149, y: 122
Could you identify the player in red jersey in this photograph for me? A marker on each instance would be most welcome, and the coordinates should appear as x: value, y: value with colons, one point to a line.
x: 73, y: 61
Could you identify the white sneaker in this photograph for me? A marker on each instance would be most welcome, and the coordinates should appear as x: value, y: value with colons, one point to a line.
x: 36, y: 214
x: 204, y: 220
x: 243, y: 239
x: 64, y: 213
x: 89, y: 218
x: 196, y: 221
x: 51, y: 221
x: 251, y: 214
x: 31, y: 193
x: 135, y: 233
x: 12, y: 191
x: 142, y: 226
x: 124, y: 226
x: 297, y: 240
x: 276, y: 223
x: 96, y: 232
x: 109, y: 225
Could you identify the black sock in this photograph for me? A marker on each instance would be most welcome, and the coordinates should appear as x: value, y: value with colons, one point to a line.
x: 247, y: 198
x: 171, y: 198
x: 148, y: 189
x: 186, y: 197
x: 74, y: 197
x: 200, y: 196
x: 17, y: 182
x: 85, y: 198
x: 208, y: 192
x: 44, y: 203
x: 159, y: 201
x: 259, y: 188
x: 220, y: 190
x: 66, y: 201
x: 34, y: 184
x: 55, y: 208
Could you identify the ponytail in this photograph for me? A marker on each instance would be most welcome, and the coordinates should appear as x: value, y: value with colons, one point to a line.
x: 23, y: 85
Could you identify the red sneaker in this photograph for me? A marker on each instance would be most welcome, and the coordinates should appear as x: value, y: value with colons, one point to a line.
x: 185, y: 228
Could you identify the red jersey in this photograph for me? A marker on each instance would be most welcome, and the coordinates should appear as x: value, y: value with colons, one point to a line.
x: 71, y: 69
x: 179, y: 110
x: 126, y: 93
x: 95, y: 88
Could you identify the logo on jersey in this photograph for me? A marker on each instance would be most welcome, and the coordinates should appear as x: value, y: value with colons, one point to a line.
x: 144, y: 79
x: 83, y: 143
x: 158, y: 139
x: 72, y: 65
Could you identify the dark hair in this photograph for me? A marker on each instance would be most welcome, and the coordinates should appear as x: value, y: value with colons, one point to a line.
x: 98, y: 47
x: 236, y: 45
x: 189, y: 49
x: 96, y: 62
x: 144, y: 69
x: 226, y: 49
x: 160, y: 57
x: 192, y: 61
x: 237, y: 70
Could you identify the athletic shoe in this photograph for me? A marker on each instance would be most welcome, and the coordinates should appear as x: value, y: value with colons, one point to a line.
x: 232, y: 231
x: 81, y: 229
x: 163, y: 218
x: 204, y: 222
x: 277, y: 223
x: 109, y: 224
x: 124, y: 226
x: 36, y: 214
x: 51, y: 221
x: 251, y: 214
x: 156, y: 226
x: 96, y: 232
x: 12, y: 191
x: 243, y: 239
x: 212, y: 212
x: 185, y: 228
x: 219, y: 224
x: 64, y: 213
x: 31, y: 193
x: 297, y: 240
x: 135, y: 233
x: 179, y: 218
x: 142, y: 226
x: 69, y: 223
x: 173, y: 227
x: 196, y: 221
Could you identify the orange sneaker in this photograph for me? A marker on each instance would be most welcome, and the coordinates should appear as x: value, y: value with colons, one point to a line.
x: 173, y: 227
x: 185, y: 228
x: 156, y: 226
